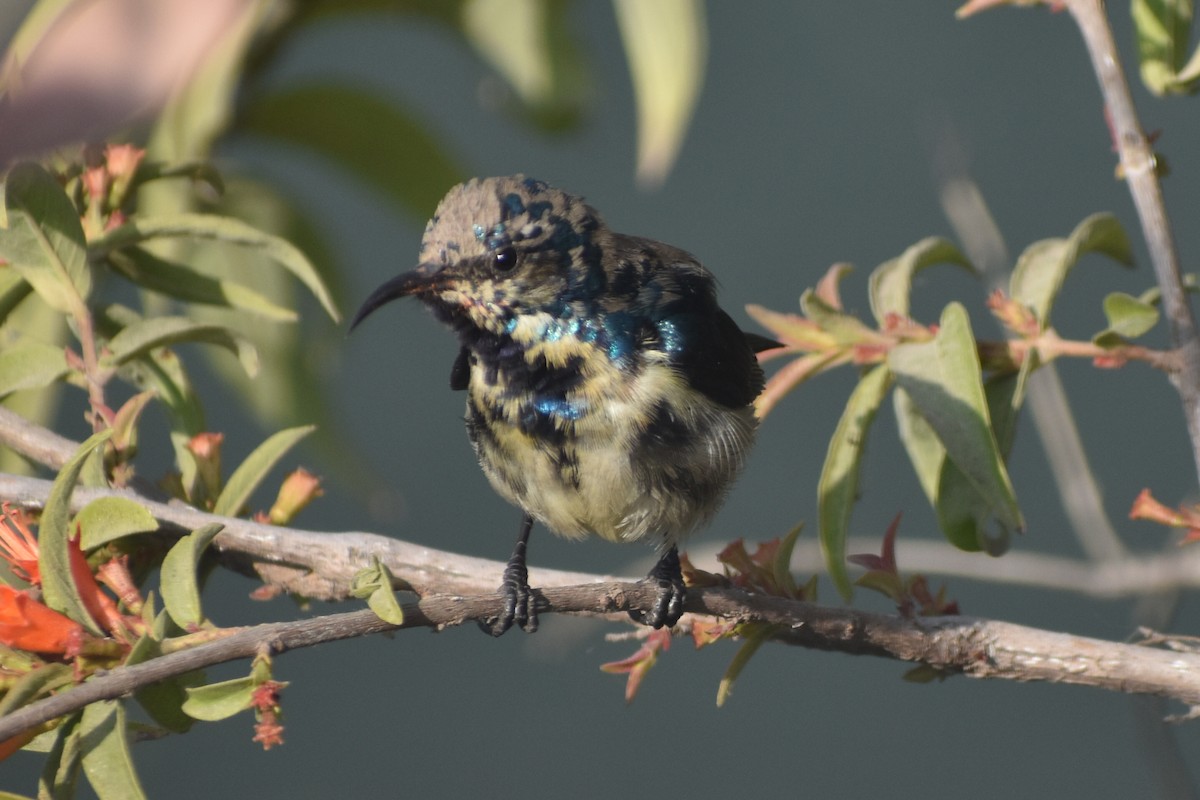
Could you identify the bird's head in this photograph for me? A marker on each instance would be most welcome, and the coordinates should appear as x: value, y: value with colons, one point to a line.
x: 498, y: 248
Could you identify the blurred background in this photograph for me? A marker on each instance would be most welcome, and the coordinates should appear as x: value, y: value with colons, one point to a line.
x: 820, y: 134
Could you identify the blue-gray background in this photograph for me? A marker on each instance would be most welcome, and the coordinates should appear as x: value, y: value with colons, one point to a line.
x: 814, y: 142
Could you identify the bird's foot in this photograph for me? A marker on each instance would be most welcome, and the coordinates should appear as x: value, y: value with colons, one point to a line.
x: 672, y: 593
x: 520, y: 602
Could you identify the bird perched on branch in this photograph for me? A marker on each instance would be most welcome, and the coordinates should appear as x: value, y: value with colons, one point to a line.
x: 607, y: 393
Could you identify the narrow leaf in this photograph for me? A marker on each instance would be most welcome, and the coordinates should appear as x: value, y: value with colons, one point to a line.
x: 890, y: 284
x: 837, y: 490
x: 13, y: 290
x: 180, y: 583
x: 54, y: 533
x: 107, y: 761
x: 375, y: 584
x: 44, y: 241
x: 666, y: 44
x: 755, y: 634
x: 34, y: 684
x: 108, y: 518
x: 141, y: 337
x: 251, y: 472
x: 942, y: 379
x: 1162, y: 29
x: 223, y: 229
x: 185, y: 283
x: 30, y: 365
x: 218, y: 701
x: 1042, y: 268
x: 363, y: 134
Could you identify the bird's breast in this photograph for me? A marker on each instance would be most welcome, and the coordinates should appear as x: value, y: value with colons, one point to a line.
x: 589, y: 444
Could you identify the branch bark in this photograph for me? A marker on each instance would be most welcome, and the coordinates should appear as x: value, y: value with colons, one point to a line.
x: 974, y: 647
x: 1139, y: 166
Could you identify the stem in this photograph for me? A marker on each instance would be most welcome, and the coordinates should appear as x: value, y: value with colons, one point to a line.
x: 1138, y: 164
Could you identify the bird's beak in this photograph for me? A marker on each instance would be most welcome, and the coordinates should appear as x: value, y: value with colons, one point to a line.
x: 419, y: 280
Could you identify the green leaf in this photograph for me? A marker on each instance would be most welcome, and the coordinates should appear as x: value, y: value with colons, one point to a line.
x: 185, y: 283
x: 164, y: 700
x: 222, y: 229
x: 942, y: 379
x: 54, y: 533
x: 666, y: 44
x: 837, y: 490
x: 375, y: 584
x: 846, y: 329
x: 13, y: 290
x: 60, y: 773
x: 1128, y: 316
x: 921, y: 443
x: 107, y: 761
x: 218, y: 701
x: 1042, y: 268
x: 754, y: 633
x: 108, y: 518
x: 251, y: 472
x: 44, y: 241
x: 368, y: 137
x: 529, y: 42
x: 34, y: 684
x: 890, y: 284
x: 180, y: 584
x: 30, y: 365
x: 1162, y: 29
x: 139, y: 338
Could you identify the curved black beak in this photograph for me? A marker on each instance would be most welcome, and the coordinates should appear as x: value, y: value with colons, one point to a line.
x: 409, y: 283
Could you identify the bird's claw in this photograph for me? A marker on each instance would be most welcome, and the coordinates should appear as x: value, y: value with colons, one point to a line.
x: 520, y: 603
x: 672, y: 593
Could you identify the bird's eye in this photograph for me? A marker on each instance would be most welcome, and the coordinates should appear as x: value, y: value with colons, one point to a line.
x: 504, y: 258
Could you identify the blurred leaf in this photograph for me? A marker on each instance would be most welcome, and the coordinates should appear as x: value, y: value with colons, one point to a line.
x: 365, y: 135
x: 218, y: 701
x: 942, y: 379
x: 180, y: 584
x: 846, y: 329
x: 108, y: 518
x: 184, y: 283
x: 162, y: 372
x: 1128, y: 316
x: 163, y: 701
x: 222, y: 229
x: 44, y: 241
x: 30, y: 365
x: 530, y: 44
x: 1162, y: 29
x: 251, y: 472
x: 754, y: 634
x: 13, y: 290
x: 60, y: 773
x: 107, y: 761
x: 34, y: 684
x: 837, y: 490
x: 54, y: 534
x: 666, y: 46
x: 199, y: 172
x: 1042, y: 268
x: 891, y: 282
x: 141, y: 337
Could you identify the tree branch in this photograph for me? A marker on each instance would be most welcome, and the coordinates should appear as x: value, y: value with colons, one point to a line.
x: 970, y: 646
x: 1139, y: 166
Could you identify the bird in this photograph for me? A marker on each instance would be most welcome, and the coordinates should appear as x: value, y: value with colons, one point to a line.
x: 607, y: 393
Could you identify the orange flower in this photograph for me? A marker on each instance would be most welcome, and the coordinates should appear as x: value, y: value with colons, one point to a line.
x: 26, y: 624
x: 17, y: 544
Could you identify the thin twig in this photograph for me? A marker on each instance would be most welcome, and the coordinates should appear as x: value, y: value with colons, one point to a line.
x: 1139, y: 166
